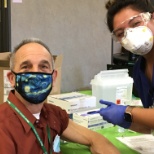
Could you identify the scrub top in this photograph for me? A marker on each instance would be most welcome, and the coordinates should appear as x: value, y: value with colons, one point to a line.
x: 144, y: 87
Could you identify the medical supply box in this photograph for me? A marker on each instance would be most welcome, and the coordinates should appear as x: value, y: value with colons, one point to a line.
x: 112, y: 85
x: 91, y: 119
x: 73, y: 101
x: 5, y: 85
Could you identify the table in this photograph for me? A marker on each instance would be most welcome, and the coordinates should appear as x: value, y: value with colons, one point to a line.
x: 110, y: 133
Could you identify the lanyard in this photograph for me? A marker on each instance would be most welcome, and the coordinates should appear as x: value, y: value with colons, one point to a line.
x: 33, y: 128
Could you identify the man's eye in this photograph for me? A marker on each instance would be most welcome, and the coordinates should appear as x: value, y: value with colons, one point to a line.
x: 24, y: 67
x: 44, y: 66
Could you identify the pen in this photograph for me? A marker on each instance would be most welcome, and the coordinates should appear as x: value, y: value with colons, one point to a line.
x: 92, y: 112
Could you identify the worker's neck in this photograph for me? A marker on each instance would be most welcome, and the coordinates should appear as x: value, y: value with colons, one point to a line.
x: 149, y: 57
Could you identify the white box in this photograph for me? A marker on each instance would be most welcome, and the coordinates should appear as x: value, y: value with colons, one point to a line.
x: 112, y: 85
x: 7, y: 90
x: 91, y: 119
x: 73, y: 102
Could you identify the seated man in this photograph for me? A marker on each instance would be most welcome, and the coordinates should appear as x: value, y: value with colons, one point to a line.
x: 29, y: 125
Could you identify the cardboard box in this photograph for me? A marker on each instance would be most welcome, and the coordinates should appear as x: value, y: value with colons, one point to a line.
x: 4, y: 67
x: 4, y: 82
x: 91, y: 119
x: 4, y: 59
x: 73, y: 102
x: 4, y: 92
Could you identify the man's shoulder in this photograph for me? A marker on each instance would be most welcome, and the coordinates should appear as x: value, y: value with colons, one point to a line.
x: 3, y: 107
x: 58, y: 117
x: 5, y: 112
x: 55, y: 112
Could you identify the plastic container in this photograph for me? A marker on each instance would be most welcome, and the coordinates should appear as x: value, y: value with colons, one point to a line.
x: 112, y: 85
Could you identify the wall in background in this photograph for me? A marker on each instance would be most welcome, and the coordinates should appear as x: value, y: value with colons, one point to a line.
x: 74, y: 28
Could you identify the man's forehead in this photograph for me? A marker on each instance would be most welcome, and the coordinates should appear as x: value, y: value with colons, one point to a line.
x: 42, y: 61
x: 32, y: 49
x: 33, y: 57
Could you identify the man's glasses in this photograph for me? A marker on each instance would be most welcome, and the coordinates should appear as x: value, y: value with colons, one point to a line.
x: 135, y: 21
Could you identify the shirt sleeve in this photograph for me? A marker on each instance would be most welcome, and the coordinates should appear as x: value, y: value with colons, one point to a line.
x: 64, y: 120
x: 58, y: 118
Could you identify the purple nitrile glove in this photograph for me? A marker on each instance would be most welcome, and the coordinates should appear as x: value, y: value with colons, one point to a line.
x: 114, y: 114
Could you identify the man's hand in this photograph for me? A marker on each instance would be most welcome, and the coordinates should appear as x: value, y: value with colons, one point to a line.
x: 114, y: 114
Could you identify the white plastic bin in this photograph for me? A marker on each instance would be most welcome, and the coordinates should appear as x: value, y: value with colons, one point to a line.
x: 112, y: 85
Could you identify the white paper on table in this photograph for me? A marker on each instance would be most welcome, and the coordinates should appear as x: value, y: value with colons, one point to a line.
x: 144, y: 144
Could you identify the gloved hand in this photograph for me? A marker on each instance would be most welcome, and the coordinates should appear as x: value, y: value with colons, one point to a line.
x: 114, y: 114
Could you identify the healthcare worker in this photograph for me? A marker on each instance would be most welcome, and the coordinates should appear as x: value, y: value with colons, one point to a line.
x: 131, y: 23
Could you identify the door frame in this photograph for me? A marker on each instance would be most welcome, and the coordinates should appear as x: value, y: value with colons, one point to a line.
x: 5, y: 25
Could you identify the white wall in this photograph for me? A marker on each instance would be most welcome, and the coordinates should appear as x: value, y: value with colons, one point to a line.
x: 75, y: 28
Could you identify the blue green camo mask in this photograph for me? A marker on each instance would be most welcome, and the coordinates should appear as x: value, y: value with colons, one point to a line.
x: 34, y: 87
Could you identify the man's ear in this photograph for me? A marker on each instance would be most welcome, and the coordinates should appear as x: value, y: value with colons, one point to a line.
x: 11, y: 78
x: 54, y: 76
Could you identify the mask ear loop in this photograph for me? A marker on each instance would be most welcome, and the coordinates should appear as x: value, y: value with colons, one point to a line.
x: 146, y: 17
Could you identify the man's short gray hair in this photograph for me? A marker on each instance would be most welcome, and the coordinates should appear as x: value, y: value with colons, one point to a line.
x: 26, y: 41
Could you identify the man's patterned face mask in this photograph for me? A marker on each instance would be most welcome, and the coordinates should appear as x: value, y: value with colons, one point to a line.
x: 34, y: 87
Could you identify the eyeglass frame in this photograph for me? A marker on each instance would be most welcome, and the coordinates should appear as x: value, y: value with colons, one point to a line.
x: 145, y: 16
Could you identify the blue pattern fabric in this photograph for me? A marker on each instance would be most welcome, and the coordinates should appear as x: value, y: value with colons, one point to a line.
x: 34, y: 87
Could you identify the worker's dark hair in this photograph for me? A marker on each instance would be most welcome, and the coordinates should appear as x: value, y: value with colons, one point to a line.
x: 114, y: 6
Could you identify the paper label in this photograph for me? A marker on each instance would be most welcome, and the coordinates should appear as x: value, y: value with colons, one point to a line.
x: 121, y: 94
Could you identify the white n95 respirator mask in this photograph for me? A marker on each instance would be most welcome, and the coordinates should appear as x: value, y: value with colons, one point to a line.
x: 138, y: 40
